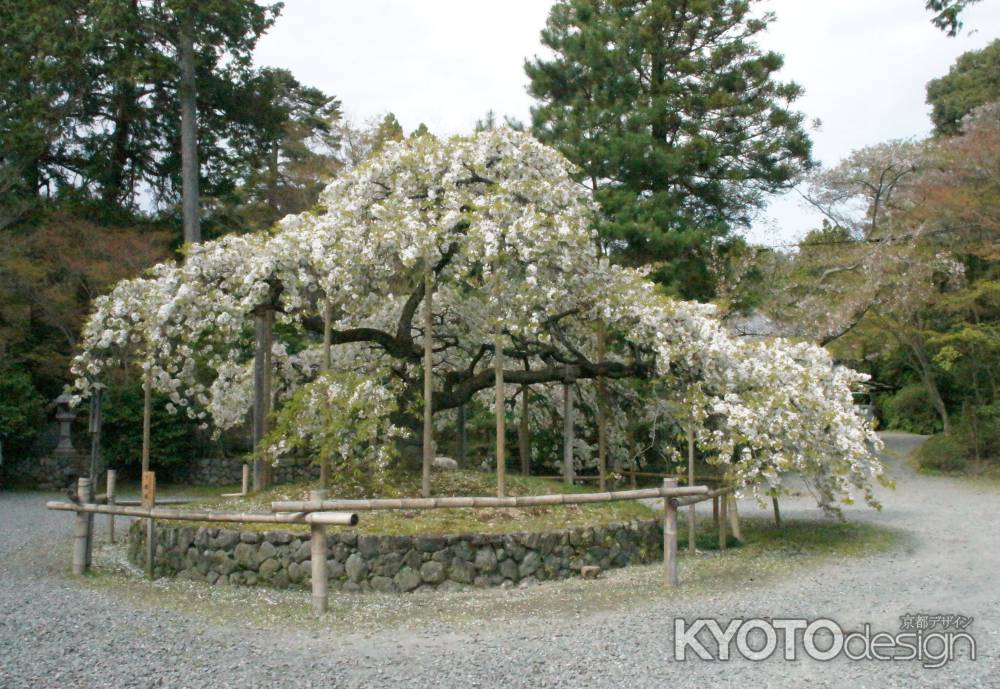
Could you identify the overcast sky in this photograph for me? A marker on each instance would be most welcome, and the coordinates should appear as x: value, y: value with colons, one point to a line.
x: 863, y: 63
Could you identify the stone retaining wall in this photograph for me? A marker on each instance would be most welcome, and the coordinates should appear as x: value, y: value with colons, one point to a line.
x: 395, y: 564
x: 214, y: 471
x: 48, y: 471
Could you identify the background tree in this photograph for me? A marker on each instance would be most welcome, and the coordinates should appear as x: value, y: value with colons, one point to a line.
x: 972, y: 81
x: 103, y: 128
x: 947, y: 14
x: 902, y: 280
x: 676, y: 120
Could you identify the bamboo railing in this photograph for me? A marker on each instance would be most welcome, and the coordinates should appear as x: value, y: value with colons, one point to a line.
x: 319, y: 512
x: 512, y: 501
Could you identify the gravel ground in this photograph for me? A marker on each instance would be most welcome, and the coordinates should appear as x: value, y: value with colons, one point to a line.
x: 99, y: 632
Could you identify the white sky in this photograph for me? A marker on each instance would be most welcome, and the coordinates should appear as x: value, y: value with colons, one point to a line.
x: 863, y: 63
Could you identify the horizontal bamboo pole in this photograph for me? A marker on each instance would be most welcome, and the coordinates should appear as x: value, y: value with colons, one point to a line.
x: 519, y: 501
x: 641, y: 474
x: 102, y: 499
x: 328, y: 518
x: 692, y: 499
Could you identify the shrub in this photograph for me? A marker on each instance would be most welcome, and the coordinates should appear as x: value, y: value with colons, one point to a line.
x: 22, y: 410
x: 942, y: 453
x: 979, y: 431
x: 910, y: 409
x: 175, y: 439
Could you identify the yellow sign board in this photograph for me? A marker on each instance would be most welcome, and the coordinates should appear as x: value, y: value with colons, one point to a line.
x: 148, y: 489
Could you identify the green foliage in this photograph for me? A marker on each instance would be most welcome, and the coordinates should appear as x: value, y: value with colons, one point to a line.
x: 21, y: 409
x: 90, y: 108
x: 947, y: 14
x: 344, y: 416
x: 909, y: 410
x: 675, y: 118
x: 49, y: 274
x: 175, y: 439
x: 979, y: 432
x: 398, y: 483
x: 942, y: 453
x: 972, y: 81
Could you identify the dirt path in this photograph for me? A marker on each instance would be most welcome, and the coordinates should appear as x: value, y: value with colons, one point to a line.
x: 58, y: 632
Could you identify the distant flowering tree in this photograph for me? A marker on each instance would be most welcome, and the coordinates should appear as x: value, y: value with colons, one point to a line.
x: 498, y: 230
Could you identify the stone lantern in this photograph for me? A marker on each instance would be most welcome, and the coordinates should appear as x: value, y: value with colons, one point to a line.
x: 65, y: 414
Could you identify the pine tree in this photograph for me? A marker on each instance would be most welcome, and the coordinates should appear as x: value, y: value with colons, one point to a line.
x: 676, y: 120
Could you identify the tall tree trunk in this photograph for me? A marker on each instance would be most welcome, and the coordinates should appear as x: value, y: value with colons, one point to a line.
x: 930, y: 381
x: 189, y: 133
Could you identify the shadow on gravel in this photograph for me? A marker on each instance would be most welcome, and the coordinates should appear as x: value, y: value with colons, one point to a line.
x: 769, y: 552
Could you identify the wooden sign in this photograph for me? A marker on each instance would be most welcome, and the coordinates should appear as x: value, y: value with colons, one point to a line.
x: 148, y: 489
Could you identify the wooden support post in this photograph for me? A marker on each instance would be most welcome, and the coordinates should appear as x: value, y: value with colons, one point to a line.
x: 723, y: 499
x: 691, y: 508
x: 148, y: 502
x: 428, y: 459
x: 734, y: 517
x: 246, y: 479
x: 524, y: 433
x: 568, y: 469
x: 263, y: 325
x: 777, y: 511
x: 147, y: 404
x: 112, y: 480
x: 670, y: 536
x: 633, y: 460
x: 500, y: 412
x: 81, y: 532
x: 318, y: 554
x: 460, y: 443
x: 602, y: 414
x: 715, y: 512
x: 324, y: 460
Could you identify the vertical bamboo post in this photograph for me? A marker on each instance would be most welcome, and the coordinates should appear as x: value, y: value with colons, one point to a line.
x: 81, y: 532
x: 263, y: 323
x: 690, y: 482
x: 633, y: 459
x: 149, y: 501
x: 318, y: 554
x: 147, y: 404
x: 734, y: 517
x: 246, y: 479
x: 602, y: 414
x: 501, y: 416
x: 723, y: 499
x: 715, y: 512
x: 524, y: 434
x: 150, y: 548
x: 268, y: 389
x: 324, y: 460
x: 777, y: 511
x: 670, y: 536
x: 568, y: 472
x: 112, y: 480
x: 425, y: 480
x: 146, y: 422
x: 460, y: 431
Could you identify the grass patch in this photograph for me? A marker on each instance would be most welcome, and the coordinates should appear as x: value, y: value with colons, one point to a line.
x: 445, y: 521
x: 769, y: 554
